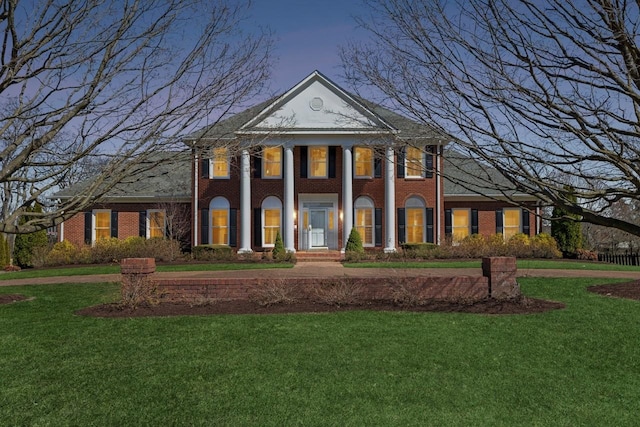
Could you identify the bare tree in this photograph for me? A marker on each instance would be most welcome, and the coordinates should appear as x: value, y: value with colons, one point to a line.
x: 545, y: 92
x: 112, y: 82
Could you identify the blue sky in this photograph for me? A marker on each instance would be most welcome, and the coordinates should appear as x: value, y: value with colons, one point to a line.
x: 308, y: 34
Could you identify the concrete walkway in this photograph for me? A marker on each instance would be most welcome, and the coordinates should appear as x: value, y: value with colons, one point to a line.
x: 326, y: 269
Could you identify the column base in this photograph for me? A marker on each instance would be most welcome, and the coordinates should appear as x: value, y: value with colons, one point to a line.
x: 390, y: 250
x: 245, y: 251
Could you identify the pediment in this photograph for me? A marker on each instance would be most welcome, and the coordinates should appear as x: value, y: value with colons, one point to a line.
x: 316, y: 104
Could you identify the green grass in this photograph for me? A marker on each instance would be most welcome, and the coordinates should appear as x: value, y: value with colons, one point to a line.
x: 115, y: 269
x: 577, y: 366
x: 522, y: 264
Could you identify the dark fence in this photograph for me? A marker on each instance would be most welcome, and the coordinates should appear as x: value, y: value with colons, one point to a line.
x: 626, y: 259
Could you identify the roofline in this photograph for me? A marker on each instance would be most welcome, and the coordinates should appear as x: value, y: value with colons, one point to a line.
x: 317, y: 74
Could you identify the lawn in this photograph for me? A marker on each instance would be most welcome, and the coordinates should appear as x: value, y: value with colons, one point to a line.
x: 523, y: 263
x: 577, y: 366
x: 115, y: 269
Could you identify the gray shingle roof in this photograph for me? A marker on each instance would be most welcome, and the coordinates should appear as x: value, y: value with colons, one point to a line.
x: 169, y: 179
x: 466, y: 176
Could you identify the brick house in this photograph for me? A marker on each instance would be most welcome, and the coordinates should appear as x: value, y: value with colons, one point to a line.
x: 312, y: 164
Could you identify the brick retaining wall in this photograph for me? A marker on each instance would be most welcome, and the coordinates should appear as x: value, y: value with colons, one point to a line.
x: 498, y: 281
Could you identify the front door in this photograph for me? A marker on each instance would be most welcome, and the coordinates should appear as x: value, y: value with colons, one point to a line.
x: 318, y: 223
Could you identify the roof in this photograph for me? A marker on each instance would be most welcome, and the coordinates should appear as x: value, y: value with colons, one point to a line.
x: 168, y: 180
x: 383, y: 120
x: 465, y: 176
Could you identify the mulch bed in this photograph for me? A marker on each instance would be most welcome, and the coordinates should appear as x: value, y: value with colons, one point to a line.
x: 630, y: 290
x: 523, y: 305
x: 9, y: 298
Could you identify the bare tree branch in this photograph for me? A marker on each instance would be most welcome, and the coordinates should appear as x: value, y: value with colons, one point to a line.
x: 115, y: 81
x: 547, y: 93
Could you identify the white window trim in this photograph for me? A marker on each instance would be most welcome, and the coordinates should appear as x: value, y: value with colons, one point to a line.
x: 264, y: 164
x: 149, y: 212
x: 93, y: 223
x: 212, y: 164
x: 355, y: 169
x: 309, y: 162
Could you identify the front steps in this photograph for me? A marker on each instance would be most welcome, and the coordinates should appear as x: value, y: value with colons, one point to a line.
x: 318, y: 256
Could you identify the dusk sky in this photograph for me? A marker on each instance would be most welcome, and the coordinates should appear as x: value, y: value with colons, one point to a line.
x: 308, y: 34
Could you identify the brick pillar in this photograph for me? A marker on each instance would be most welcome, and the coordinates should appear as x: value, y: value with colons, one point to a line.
x: 501, y: 272
x: 137, y: 280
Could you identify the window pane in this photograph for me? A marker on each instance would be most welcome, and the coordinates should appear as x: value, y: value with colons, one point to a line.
x: 511, y: 223
x: 460, y: 220
x: 156, y: 224
x: 272, y: 162
x: 102, y: 225
x: 103, y: 219
x: 415, y: 225
x: 364, y: 161
x: 318, y: 161
x: 220, y: 162
x: 271, y: 225
x: 364, y: 225
x: 219, y: 219
x: 414, y: 161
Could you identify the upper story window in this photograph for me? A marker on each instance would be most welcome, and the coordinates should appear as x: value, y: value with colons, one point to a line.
x: 414, y: 162
x: 272, y: 162
x: 220, y: 162
x: 318, y: 162
x: 363, y: 162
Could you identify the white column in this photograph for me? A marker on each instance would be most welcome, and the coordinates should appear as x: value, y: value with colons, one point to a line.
x: 196, y: 176
x: 289, y: 207
x: 390, y: 202
x: 347, y: 193
x: 245, y: 203
x: 439, y: 197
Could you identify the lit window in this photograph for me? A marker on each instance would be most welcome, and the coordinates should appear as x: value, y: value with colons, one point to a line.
x: 415, y: 225
x: 220, y: 163
x: 364, y: 220
x: 157, y: 223
x: 511, y: 223
x: 271, y: 226
x: 318, y: 158
x: 102, y: 224
x: 364, y: 162
x: 219, y: 226
x: 414, y: 162
x: 460, y: 221
x: 272, y: 162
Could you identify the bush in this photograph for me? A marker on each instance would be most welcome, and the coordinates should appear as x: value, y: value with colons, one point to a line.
x: 278, y: 252
x: 544, y: 246
x: 25, y: 244
x: 5, y: 252
x: 586, y: 255
x: 212, y: 253
x: 354, y: 242
x: 62, y: 253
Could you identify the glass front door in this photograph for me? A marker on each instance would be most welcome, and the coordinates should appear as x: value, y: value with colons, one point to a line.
x: 318, y: 223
